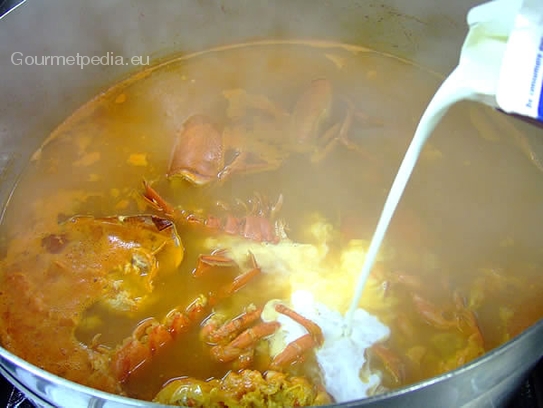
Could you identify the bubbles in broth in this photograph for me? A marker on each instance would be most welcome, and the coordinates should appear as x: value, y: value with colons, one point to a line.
x: 287, y: 152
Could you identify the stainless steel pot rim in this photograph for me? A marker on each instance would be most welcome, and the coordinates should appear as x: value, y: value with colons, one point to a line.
x: 409, y: 36
x: 472, y: 365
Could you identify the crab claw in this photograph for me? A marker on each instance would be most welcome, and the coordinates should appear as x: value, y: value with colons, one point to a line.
x: 198, y: 154
x: 247, y: 339
x: 295, y: 351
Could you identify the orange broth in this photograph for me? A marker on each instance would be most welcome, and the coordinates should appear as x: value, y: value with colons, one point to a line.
x: 454, y: 229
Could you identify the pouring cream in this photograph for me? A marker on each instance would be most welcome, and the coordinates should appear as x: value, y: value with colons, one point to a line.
x: 501, y: 66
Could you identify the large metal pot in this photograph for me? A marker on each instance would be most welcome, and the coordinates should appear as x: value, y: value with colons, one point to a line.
x: 37, y: 98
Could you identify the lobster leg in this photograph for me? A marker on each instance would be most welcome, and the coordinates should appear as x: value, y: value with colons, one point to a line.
x: 247, y: 339
x: 156, y: 201
x: 313, y: 329
x: 216, y: 259
x: 293, y: 353
x: 228, y: 330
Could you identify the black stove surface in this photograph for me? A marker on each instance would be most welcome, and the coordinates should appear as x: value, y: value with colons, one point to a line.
x: 11, y: 397
x: 7, y: 5
x: 530, y: 394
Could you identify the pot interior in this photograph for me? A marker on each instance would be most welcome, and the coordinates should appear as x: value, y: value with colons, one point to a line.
x: 463, y: 241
